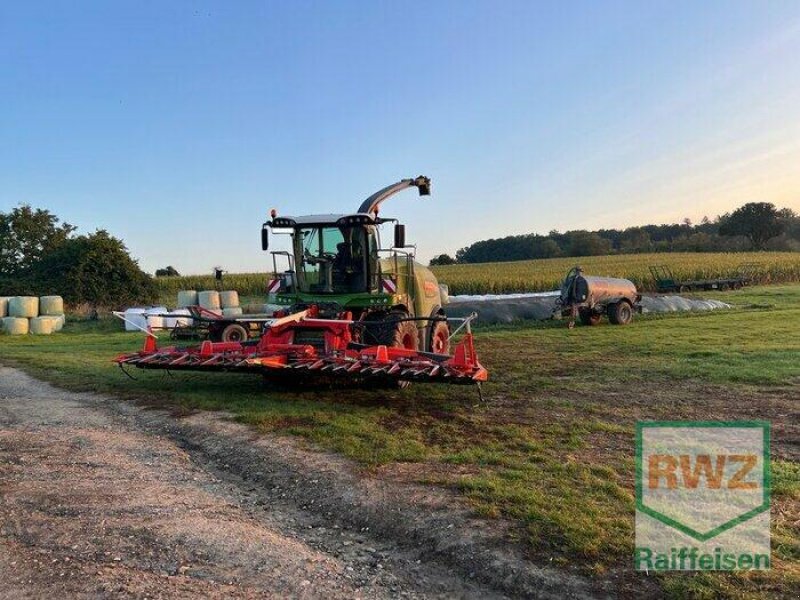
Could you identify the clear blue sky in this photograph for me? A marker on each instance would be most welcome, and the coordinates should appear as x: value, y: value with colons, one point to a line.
x: 178, y: 125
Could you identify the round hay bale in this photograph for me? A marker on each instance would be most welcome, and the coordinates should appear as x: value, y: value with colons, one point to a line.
x: 187, y: 298
x: 209, y: 299
x: 51, y: 306
x: 42, y: 325
x: 23, y: 306
x: 229, y: 299
x: 180, y: 317
x: 59, y: 322
x: 234, y: 311
x: 15, y: 326
x: 4, y: 306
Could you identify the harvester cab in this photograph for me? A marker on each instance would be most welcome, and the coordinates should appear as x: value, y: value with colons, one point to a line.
x: 339, y: 263
x: 352, y: 309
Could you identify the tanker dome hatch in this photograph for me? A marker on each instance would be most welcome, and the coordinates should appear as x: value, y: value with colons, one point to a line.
x: 335, y: 219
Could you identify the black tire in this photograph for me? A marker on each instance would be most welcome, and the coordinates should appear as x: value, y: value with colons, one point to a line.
x: 234, y: 333
x: 620, y: 313
x: 392, y: 331
x: 588, y: 316
x: 440, y: 338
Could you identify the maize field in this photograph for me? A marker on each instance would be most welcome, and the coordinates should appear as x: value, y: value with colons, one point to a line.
x: 546, y: 274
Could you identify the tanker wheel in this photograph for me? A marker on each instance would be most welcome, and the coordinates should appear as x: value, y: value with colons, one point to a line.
x: 234, y: 333
x: 620, y: 313
x: 588, y: 316
x: 440, y: 338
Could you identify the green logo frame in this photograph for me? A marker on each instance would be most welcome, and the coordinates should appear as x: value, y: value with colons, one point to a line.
x: 699, y: 535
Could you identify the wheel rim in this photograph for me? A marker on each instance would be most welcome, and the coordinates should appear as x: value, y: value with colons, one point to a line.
x: 625, y: 314
x: 408, y: 341
x: 439, y: 342
x: 234, y: 335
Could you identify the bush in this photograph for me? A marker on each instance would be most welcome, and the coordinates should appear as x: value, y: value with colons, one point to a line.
x: 95, y: 269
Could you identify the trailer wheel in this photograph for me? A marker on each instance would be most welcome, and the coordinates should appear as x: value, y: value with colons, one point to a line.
x: 620, y: 313
x: 588, y: 316
x: 234, y: 333
x: 683, y: 289
x: 440, y: 338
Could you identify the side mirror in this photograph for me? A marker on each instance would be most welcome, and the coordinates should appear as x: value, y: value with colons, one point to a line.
x: 399, y: 235
x: 264, y: 238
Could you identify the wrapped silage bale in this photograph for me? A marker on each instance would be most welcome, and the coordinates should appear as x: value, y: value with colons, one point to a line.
x: 229, y: 299
x: 4, y: 306
x: 42, y: 325
x: 135, y: 319
x: 180, y: 317
x: 232, y: 312
x: 23, y: 306
x: 51, y: 306
x: 15, y: 325
x: 187, y: 298
x: 154, y: 318
x: 209, y: 299
x: 58, y: 322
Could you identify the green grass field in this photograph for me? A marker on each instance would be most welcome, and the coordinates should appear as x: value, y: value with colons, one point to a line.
x: 547, y: 274
x: 552, y: 449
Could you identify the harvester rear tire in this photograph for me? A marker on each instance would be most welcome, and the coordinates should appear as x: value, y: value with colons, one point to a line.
x: 620, y: 313
x: 588, y: 316
x: 440, y: 338
x: 234, y: 333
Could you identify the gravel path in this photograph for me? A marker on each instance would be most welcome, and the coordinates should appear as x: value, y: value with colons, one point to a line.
x: 99, y: 498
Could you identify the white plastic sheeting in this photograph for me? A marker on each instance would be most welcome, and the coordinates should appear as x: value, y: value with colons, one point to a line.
x: 516, y: 307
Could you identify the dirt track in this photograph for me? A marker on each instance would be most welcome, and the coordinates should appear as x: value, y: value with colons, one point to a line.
x: 99, y: 498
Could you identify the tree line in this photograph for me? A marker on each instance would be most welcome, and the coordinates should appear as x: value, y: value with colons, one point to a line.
x: 754, y: 226
x: 40, y: 255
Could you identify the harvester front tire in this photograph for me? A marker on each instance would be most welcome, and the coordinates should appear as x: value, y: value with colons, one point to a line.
x: 440, y: 338
x: 588, y: 316
x: 393, y: 331
x: 620, y: 313
x: 234, y: 333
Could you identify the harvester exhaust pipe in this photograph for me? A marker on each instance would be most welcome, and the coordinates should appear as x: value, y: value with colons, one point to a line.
x: 370, y: 205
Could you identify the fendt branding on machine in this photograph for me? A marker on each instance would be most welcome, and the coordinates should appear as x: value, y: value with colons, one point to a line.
x: 354, y: 309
